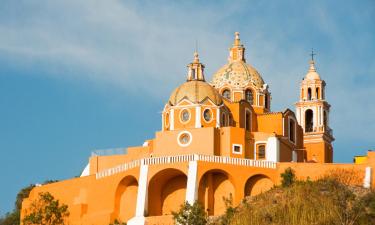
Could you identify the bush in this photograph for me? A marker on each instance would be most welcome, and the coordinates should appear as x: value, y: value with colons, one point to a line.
x: 190, y: 214
x: 288, y: 177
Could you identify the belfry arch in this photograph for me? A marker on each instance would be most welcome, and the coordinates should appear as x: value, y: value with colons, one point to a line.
x: 214, y: 187
x: 309, y: 116
x: 126, y: 199
x: 167, y: 191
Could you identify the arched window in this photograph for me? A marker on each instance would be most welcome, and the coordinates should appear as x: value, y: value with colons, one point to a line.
x: 247, y: 120
x: 249, y: 96
x: 317, y: 93
x: 226, y: 94
x: 309, y: 94
x: 325, y: 119
x: 266, y: 101
x: 261, y: 151
x: 223, y: 120
x: 292, y: 130
x: 309, y: 115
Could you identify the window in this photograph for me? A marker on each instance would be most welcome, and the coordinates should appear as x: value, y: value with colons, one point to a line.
x: 309, y: 120
x: 309, y: 94
x: 292, y: 130
x: 261, y: 152
x: 223, y: 120
x: 207, y: 115
x: 317, y: 93
x: 184, y: 138
x: 248, y: 121
x: 185, y: 115
x: 249, y: 96
x: 266, y: 101
x: 226, y: 94
x: 325, y: 120
x: 237, y: 149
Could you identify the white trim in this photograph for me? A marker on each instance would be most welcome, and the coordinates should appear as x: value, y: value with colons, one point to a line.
x: 367, y: 179
x: 190, y: 138
x: 255, y: 148
x: 142, y: 192
x: 192, y: 187
x: 198, y: 123
x: 171, y: 120
x: 237, y: 145
x: 86, y: 171
x: 273, y: 149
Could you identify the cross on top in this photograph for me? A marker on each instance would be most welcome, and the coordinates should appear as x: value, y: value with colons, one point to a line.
x: 312, y: 54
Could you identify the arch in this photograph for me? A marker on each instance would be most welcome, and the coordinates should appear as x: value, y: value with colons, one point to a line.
x: 309, y: 115
x: 257, y: 184
x: 126, y: 199
x: 167, y: 190
x: 226, y: 94
x: 325, y: 120
x: 309, y: 94
x: 317, y: 93
x: 249, y: 96
x: 215, y: 186
x: 247, y: 120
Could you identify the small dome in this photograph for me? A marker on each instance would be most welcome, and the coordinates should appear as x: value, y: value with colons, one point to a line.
x: 237, y: 74
x: 195, y: 91
x: 312, y: 74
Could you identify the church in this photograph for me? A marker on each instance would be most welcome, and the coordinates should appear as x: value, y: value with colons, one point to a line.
x: 218, y: 139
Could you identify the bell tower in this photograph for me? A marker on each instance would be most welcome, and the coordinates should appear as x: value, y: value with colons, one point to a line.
x: 313, y: 115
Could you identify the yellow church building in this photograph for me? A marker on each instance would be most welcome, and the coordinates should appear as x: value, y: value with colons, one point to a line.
x: 218, y: 139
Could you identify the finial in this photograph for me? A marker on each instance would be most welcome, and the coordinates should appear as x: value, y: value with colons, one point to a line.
x: 196, y: 57
x: 312, y: 62
x: 312, y: 54
x: 237, y: 38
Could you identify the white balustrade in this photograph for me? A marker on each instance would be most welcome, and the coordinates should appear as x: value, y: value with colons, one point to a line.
x: 185, y: 158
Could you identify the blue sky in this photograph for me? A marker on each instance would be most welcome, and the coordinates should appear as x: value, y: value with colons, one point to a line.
x: 82, y: 75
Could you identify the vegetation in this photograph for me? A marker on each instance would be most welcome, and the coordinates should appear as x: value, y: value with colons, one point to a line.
x: 46, y: 211
x: 117, y: 222
x: 190, y: 214
x: 288, y: 177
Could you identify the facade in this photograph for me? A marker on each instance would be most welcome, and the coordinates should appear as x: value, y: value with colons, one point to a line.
x: 218, y: 139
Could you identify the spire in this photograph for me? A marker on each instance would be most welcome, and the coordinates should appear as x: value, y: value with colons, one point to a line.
x: 312, y: 62
x: 196, y: 69
x: 237, y: 52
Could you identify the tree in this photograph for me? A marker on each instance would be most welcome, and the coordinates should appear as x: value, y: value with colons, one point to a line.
x: 288, y: 177
x: 190, y: 214
x: 46, y: 211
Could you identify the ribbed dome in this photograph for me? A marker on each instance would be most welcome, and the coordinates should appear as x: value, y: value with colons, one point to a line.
x: 237, y: 74
x: 195, y: 91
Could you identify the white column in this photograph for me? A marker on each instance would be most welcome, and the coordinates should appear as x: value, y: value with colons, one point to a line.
x: 141, y: 207
x: 367, y: 180
x: 218, y: 117
x: 171, y: 119
x: 192, y: 184
x: 198, y: 123
x: 273, y: 149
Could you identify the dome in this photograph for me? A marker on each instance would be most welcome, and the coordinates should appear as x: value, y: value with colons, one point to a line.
x: 237, y: 74
x: 312, y: 74
x: 195, y: 91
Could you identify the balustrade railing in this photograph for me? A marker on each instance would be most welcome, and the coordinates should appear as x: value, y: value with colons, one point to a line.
x: 185, y: 158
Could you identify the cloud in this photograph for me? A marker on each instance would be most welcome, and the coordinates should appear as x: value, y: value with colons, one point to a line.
x: 145, y: 46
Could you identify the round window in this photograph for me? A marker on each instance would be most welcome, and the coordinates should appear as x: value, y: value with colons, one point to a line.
x: 207, y: 115
x: 185, y: 115
x: 184, y: 138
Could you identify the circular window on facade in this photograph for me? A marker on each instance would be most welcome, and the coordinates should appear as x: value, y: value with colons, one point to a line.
x: 226, y: 94
x: 207, y: 115
x: 185, y: 115
x: 184, y: 138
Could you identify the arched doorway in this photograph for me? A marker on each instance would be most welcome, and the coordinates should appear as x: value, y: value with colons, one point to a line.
x: 214, y: 187
x: 309, y: 115
x: 126, y: 199
x: 166, y: 192
x: 257, y: 184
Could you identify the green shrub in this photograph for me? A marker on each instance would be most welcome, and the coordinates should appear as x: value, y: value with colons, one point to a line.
x: 288, y: 177
x: 190, y: 214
